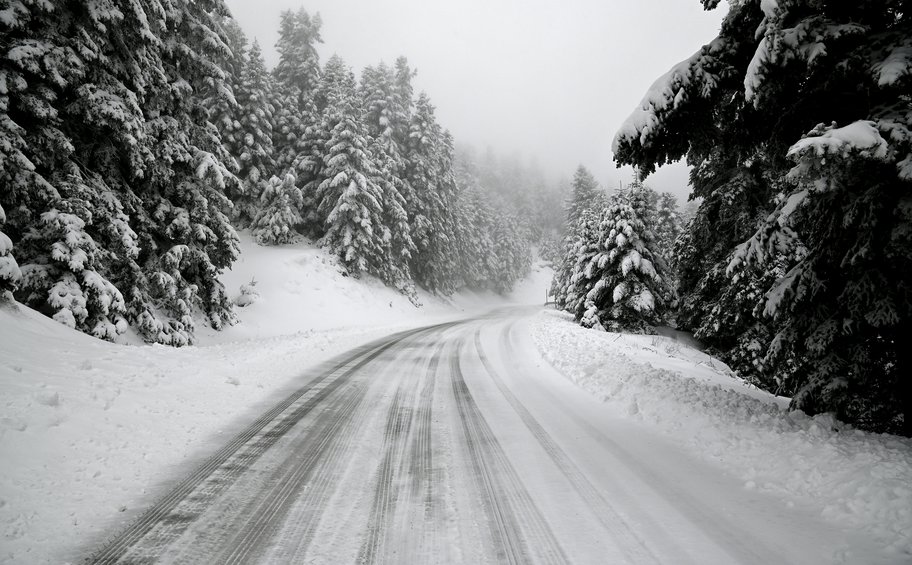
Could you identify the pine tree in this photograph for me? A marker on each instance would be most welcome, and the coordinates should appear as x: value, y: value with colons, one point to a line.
x: 278, y: 213
x: 403, y: 103
x: 10, y: 274
x: 221, y: 103
x: 618, y: 286
x: 308, y: 166
x: 348, y: 197
x: 430, y: 177
x: 251, y: 144
x: 823, y: 215
x: 67, y: 278
x: 584, y: 194
x: 668, y: 228
x: 397, y: 240
x: 297, y: 78
x: 571, y: 295
x: 512, y: 251
x: 115, y: 173
x: 298, y: 69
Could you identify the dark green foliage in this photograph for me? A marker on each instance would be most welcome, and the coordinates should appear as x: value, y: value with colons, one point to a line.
x: 114, y: 174
x: 798, y: 123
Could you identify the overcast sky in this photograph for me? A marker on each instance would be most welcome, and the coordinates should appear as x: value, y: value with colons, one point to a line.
x: 547, y: 79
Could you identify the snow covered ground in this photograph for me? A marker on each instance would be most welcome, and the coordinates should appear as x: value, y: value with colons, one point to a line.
x: 89, y: 430
x: 92, y: 432
x: 854, y: 479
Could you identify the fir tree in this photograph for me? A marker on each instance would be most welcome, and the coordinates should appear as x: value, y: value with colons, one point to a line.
x: 825, y: 237
x: 349, y: 199
x: 298, y: 69
x: 618, y: 286
x: 580, y: 254
x: 430, y: 178
x: 583, y: 196
x: 250, y: 140
x: 278, y: 213
x: 297, y: 78
x: 308, y: 166
x: 10, y: 274
x: 397, y: 239
x: 115, y: 173
x: 668, y: 227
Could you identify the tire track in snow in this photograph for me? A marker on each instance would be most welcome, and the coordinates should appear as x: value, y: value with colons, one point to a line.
x: 212, y: 539
x: 311, y: 505
x: 270, y: 514
x: 634, y: 548
x: 168, y: 518
x: 520, y: 533
x: 418, y: 475
x: 398, y: 424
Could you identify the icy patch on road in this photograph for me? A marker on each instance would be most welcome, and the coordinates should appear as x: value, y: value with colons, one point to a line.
x: 856, y: 479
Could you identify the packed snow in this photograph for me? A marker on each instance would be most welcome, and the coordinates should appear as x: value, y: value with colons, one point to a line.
x: 91, y: 432
x: 857, y: 480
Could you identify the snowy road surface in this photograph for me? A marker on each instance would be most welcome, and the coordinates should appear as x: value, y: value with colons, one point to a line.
x: 456, y: 443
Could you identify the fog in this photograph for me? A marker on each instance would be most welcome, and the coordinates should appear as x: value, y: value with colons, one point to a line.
x: 546, y: 80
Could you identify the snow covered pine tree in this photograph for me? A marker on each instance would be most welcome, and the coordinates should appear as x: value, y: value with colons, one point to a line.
x: 835, y: 206
x: 113, y: 174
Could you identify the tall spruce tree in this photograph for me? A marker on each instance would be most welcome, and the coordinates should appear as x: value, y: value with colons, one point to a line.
x: 585, y: 195
x: 297, y: 77
x: 251, y: 144
x: 278, y: 213
x: 114, y: 172
x: 825, y: 216
x: 298, y: 69
x: 617, y: 284
x: 349, y: 199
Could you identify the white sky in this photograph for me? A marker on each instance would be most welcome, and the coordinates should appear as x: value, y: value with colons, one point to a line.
x: 547, y: 79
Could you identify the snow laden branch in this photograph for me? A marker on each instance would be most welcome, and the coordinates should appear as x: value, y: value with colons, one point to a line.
x: 646, y: 128
x: 778, y: 236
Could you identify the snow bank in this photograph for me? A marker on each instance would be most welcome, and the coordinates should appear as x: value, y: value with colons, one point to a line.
x: 856, y: 479
x: 303, y: 288
x: 86, y: 426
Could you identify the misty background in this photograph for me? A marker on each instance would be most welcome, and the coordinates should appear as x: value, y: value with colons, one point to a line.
x: 542, y: 80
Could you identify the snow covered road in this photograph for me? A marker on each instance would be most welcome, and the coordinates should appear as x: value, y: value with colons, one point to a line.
x: 457, y: 443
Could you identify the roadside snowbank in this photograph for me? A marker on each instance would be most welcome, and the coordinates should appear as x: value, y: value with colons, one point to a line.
x: 856, y: 479
x: 89, y: 429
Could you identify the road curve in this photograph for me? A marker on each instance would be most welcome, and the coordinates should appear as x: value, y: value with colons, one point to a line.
x: 456, y: 443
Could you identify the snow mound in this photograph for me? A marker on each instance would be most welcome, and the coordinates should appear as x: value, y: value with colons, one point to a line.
x: 856, y: 479
x: 301, y: 287
x: 90, y: 430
